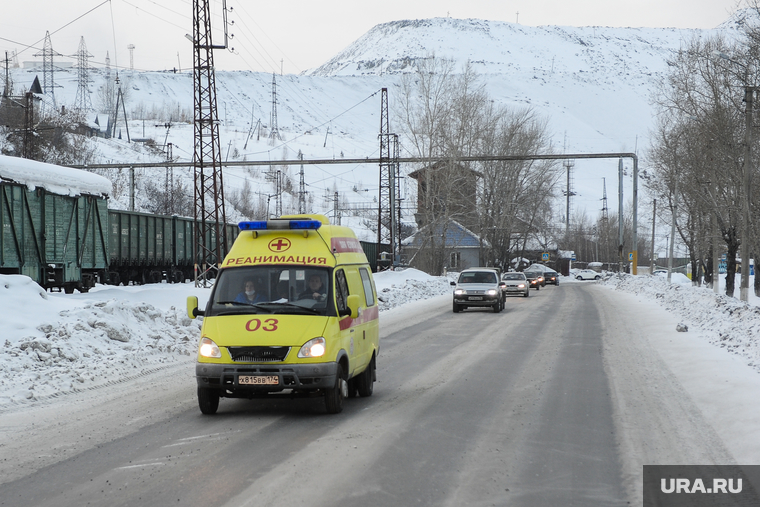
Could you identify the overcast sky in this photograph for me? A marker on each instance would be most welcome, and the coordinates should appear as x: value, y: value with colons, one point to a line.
x: 295, y: 35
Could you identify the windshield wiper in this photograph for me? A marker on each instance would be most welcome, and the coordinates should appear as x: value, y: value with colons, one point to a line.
x: 274, y: 306
x: 267, y: 307
x: 245, y: 307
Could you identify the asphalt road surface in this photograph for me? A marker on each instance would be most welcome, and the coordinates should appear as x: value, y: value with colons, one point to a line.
x: 556, y: 401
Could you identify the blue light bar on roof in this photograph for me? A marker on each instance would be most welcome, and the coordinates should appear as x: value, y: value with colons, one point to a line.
x: 261, y: 225
x: 252, y: 226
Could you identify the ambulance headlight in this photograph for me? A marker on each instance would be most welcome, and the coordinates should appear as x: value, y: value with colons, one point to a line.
x: 209, y: 349
x: 315, y: 347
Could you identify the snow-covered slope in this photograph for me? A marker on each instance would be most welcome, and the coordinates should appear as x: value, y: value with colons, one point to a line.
x: 497, y: 47
x: 594, y: 85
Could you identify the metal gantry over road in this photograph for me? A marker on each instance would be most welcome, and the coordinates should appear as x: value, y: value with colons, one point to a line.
x: 416, y: 160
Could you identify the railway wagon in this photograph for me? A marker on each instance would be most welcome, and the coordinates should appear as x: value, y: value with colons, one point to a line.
x: 53, y: 222
x: 56, y: 228
x: 145, y: 248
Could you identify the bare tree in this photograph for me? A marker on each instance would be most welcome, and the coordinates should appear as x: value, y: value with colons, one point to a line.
x: 447, y: 115
x: 698, y: 154
x: 440, y: 119
x: 515, y: 195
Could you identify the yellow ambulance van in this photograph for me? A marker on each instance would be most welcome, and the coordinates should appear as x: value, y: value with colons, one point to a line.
x: 293, y: 311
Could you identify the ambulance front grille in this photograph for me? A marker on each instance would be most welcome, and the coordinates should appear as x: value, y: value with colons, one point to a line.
x: 258, y: 354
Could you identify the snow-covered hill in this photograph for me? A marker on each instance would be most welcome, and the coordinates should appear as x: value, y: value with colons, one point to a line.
x: 497, y: 47
x: 594, y: 85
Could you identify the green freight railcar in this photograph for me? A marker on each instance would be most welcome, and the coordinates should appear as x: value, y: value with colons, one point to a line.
x: 52, y: 230
x: 147, y: 248
x: 140, y: 247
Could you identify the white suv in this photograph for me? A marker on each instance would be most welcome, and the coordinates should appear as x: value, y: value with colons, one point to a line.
x: 478, y: 287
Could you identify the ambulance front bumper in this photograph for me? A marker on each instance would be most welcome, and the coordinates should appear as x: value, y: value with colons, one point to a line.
x: 261, y: 377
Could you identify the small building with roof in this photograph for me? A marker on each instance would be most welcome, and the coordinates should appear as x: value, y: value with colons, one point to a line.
x: 443, y: 246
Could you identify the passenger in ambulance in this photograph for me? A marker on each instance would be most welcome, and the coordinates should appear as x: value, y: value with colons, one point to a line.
x: 250, y: 295
x: 316, y: 289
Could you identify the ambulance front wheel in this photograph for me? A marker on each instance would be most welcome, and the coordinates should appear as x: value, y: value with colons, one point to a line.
x: 335, y: 395
x: 208, y: 400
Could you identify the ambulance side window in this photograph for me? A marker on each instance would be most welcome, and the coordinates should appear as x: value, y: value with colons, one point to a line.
x: 341, y: 292
x: 369, y: 294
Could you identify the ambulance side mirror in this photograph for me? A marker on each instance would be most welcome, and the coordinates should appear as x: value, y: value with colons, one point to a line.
x: 353, y: 303
x: 192, y: 307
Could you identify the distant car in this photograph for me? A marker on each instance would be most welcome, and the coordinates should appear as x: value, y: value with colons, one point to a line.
x: 587, y: 274
x: 535, y: 279
x: 551, y: 277
x: 516, y: 283
x: 478, y: 287
x: 660, y: 272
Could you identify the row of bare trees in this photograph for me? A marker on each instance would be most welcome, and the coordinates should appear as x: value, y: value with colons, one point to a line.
x: 445, y: 115
x: 699, y: 150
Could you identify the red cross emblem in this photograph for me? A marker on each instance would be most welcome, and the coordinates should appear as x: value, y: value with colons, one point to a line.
x: 279, y: 244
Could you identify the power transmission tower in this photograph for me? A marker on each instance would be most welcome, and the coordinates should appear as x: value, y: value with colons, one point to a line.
x: 274, y: 133
x: 210, y: 244
x: 108, y: 99
x: 387, y: 219
x: 131, y: 49
x: 605, y: 216
x: 48, y: 78
x: 83, y: 102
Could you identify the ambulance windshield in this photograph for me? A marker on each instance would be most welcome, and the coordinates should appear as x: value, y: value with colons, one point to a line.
x: 272, y: 289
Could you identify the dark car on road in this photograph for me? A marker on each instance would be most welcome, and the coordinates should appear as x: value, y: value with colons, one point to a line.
x: 535, y: 278
x: 551, y: 277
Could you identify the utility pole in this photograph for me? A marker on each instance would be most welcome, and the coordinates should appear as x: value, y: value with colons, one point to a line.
x: 569, y: 164
x: 120, y: 100
x: 654, y: 218
x: 674, y: 210
x: 620, y: 214
x: 278, y: 202
x: 605, y: 219
x: 131, y: 49
x: 715, y: 260
x: 30, y: 146
x: 8, y: 86
x: 749, y: 94
x: 301, y: 189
